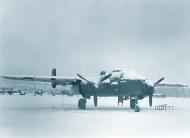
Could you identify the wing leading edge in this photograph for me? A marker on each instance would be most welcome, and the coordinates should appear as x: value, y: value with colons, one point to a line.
x: 59, y: 80
x: 172, y: 85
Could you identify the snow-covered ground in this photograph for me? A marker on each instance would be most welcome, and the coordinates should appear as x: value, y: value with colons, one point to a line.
x: 43, y: 116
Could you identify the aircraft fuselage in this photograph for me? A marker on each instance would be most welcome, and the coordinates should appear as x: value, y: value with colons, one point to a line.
x: 128, y: 88
x: 119, y: 84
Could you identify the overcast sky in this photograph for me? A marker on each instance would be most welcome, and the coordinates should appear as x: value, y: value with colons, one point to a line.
x: 87, y: 36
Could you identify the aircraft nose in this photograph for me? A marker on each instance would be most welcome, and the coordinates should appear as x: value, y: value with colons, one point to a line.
x: 150, y: 89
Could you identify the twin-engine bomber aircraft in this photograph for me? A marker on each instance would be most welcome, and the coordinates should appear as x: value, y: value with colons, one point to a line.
x: 124, y: 85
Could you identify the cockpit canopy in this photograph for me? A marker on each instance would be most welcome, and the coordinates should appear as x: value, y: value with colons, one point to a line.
x: 124, y: 75
x: 120, y: 74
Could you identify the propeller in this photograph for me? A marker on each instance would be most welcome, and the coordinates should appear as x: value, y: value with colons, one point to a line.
x: 92, y: 84
x: 105, y: 77
x: 152, y: 90
x: 80, y: 76
x: 160, y: 80
x: 150, y: 99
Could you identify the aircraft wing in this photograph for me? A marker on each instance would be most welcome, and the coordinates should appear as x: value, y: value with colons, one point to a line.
x: 59, y: 80
x: 172, y: 85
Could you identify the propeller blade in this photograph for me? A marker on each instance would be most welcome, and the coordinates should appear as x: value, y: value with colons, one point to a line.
x: 92, y: 84
x: 160, y: 80
x: 85, y: 79
x: 150, y: 100
x: 105, y: 77
x: 95, y: 101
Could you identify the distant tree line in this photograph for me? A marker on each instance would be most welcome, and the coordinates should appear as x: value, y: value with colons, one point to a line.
x: 183, y: 92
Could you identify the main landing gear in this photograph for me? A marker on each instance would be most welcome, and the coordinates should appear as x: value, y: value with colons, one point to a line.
x: 82, y: 103
x: 134, y: 104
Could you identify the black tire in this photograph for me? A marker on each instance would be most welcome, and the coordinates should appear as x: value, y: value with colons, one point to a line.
x: 82, y: 103
x: 137, y: 108
x: 132, y: 103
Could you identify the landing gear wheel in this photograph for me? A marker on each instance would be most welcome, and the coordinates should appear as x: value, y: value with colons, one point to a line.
x: 82, y: 103
x: 132, y: 103
x: 137, y: 108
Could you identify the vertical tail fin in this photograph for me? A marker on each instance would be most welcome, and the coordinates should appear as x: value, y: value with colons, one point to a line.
x: 53, y: 73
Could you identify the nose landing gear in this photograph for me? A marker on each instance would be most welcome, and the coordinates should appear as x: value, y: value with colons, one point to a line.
x: 120, y: 100
x: 134, y: 104
x: 137, y: 108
